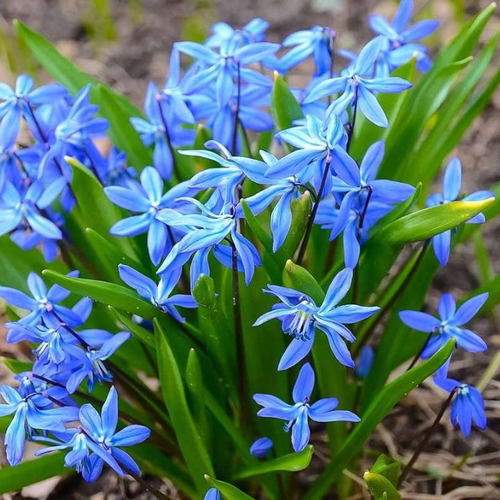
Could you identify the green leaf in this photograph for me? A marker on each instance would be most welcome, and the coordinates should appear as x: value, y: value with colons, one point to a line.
x: 141, y: 333
x: 188, y: 437
x: 299, y: 278
x: 301, y: 208
x: 228, y: 491
x: 380, y: 487
x: 387, y: 467
x: 428, y: 222
x: 284, y: 107
x: 381, y: 405
x: 32, y: 471
x: 107, y: 293
x: 16, y: 366
x: 293, y: 462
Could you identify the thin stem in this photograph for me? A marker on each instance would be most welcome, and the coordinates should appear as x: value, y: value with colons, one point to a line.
x: 93, y: 168
x: 167, y: 136
x: 150, y: 489
x: 395, y: 297
x: 234, y: 142
x: 70, y: 330
x: 420, y: 448
x: 314, y: 211
x: 238, y: 329
x: 332, y: 61
x: 353, y: 124
x: 419, y: 353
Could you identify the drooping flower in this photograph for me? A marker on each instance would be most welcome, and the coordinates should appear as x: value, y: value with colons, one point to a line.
x: 159, y: 295
x: 365, y: 361
x: 300, y: 317
x: 261, y: 447
x: 452, y: 184
x: 297, y: 415
x: 449, y: 325
x: 358, y: 87
x: 468, y: 405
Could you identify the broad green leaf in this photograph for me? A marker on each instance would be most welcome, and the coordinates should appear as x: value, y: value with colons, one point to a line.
x: 32, y: 471
x: 293, y: 462
x: 428, y: 222
x: 174, y: 395
x: 376, y: 412
x: 284, y: 107
x: 483, y: 259
x: 301, y: 208
x: 107, y: 293
x: 387, y: 467
x: 299, y: 278
x: 16, y: 366
x: 380, y: 487
x: 121, y: 131
x: 228, y: 491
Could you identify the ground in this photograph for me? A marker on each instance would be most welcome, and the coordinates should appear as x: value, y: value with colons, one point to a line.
x: 140, y: 54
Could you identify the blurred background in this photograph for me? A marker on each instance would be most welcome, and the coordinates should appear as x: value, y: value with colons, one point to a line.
x: 126, y: 43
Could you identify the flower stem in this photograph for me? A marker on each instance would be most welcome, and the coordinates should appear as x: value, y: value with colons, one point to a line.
x: 150, y: 489
x: 419, y: 353
x: 427, y: 436
x: 238, y: 330
x: 353, y: 124
x: 168, y: 138
x: 234, y: 142
x: 314, y: 211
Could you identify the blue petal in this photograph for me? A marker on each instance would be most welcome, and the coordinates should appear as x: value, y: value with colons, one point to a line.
x: 300, y: 431
x: 370, y: 107
x: 452, y: 181
x: 337, y: 290
x: 441, y: 244
x: 304, y: 385
x: 144, y: 286
x: 419, y: 321
x: 469, y: 309
x: 447, y: 306
x: 296, y: 351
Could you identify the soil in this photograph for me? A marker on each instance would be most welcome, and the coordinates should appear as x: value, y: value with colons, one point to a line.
x: 139, y: 53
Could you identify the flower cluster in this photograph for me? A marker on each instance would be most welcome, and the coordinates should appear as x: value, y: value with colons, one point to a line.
x: 190, y: 223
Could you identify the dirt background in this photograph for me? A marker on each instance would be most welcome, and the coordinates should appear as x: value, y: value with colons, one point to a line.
x: 143, y: 33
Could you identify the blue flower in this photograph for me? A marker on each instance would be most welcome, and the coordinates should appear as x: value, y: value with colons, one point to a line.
x: 365, y: 361
x: 452, y: 184
x: 226, y: 67
x: 297, y: 415
x: 149, y: 199
x: 400, y: 37
x: 43, y: 303
x: 468, y: 405
x: 20, y: 210
x: 233, y: 171
x: 287, y: 189
x: 316, y: 42
x: 314, y: 146
x: 222, y: 33
x: 97, y: 435
x: 300, y: 317
x: 28, y: 418
x: 23, y: 99
x: 212, y: 494
x: 261, y: 447
x: 89, y: 364
x: 449, y: 324
x: 358, y: 87
x: 118, y: 173
x: 206, y: 231
x: 159, y: 295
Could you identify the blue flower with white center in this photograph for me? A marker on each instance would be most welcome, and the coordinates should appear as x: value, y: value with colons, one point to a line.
x: 97, y: 435
x: 226, y: 66
x: 316, y: 42
x: 148, y: 199
x: 358, y: 86
x: 261, y: 447
x: 401, y: 37
x: 468, y: 404
x: 159, y: 295
x: 117, y: 172
x: 449, y: 325
x: 20, y: 210
x: 298, y: 414
x: 452, y: 184
x: 300, y: 317
x: 89, y: 364
x: 206, y: 230
x: 28, y: 418
x: 233, y: 171
x: 43, y: 303
x: 23, y: 99
x: 287, y: 190
x: 314, y: 144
